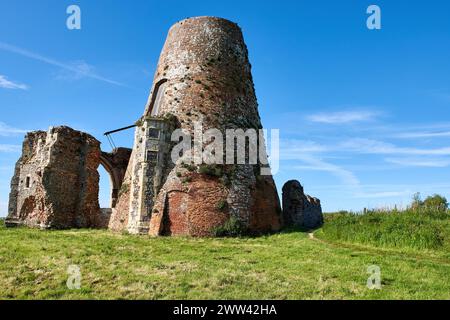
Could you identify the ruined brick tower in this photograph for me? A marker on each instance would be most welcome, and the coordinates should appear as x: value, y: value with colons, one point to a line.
x: 203, y: 75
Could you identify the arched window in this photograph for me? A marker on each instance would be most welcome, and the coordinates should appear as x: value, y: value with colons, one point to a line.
x: 157, y: 97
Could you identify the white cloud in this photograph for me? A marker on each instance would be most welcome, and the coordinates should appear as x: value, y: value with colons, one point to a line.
x: 349, y: 180
x: 343, y: 117
x: 10, y: 148
x: 292, y: 148
x: 80, y: 69
x: 8, y: 84
x: 414, y: 162
x: 418, y: 135
x: 361, y: 145
x: 7, y: 131
x: 346, y: 176
x: 68, y: 67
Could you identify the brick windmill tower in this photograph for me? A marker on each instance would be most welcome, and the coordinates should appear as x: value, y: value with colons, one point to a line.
x: 203, y: 75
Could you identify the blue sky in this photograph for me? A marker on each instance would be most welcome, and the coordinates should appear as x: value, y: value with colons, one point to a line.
x: 364, y: 114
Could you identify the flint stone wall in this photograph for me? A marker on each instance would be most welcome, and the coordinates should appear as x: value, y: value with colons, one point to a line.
x: 55, y: 183
x: 203, y: 75
x: 300, y: 210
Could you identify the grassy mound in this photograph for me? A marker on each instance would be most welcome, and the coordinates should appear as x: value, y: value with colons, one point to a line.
x: 417, y: 229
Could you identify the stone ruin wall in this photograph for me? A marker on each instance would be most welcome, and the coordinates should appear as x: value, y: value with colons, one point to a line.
x: 300, y: 210
x: 56, y: 180
x: 55, y: 184
x: 203, y: 75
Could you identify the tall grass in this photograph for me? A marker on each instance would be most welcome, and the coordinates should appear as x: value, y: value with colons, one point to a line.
x: 418, y: 229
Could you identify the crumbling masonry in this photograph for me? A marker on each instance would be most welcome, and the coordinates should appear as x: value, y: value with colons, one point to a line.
x: 300, y: 210
x: 55, y: 184
x: 203, y: 76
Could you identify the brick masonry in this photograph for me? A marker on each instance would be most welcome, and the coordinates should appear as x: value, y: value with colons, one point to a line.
x: 55, y: 183
x: 203, y: 75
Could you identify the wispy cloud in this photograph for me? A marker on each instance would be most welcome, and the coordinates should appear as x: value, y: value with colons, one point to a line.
x: 292, y: 148
x: 369, y: 146
x: 414, y: 162
x: 8, y: 84
x: 84, y: 72
x: 343, y: 117
x: 314, y: 163
x: 10, y: 148
x: 310, y: 156
x: 348, y: 179
x: 419, y: 135
x: 7, y: 131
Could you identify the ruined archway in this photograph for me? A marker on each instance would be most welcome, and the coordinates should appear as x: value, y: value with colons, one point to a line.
x: 115, y: 163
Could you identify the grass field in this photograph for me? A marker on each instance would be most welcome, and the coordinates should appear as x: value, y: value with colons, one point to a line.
x: 291, y: 265
x: 414, y: 229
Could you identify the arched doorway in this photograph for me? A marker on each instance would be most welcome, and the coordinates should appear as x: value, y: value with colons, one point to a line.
x: 115, y: 183
x: 115, y: 164
x: 105, y: 188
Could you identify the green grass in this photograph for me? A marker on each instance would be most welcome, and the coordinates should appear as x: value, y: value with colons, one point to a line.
x: 415, y: 229
x: 33, y: 265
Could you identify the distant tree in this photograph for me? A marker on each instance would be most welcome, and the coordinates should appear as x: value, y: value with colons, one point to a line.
x: 436, y: 202
x: 416, y: 201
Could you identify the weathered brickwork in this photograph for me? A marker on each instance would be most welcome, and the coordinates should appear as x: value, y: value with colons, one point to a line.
x: 203, y: 75
x: 300, y: 210
x: 55, y: 184
x: 203, y: 81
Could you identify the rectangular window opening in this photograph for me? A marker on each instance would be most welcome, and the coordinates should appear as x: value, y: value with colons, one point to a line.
x: 153, y: 133
x: 152, y: 157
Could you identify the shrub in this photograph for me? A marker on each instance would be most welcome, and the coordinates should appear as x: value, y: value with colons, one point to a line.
x: 189, y: 167
x: 211, y: 170
x: 225, y: 180
x: 436, y: 201
x: 232, y: 228
x: 222, y: 205
x: 186, y: 180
